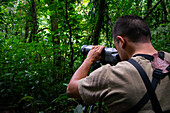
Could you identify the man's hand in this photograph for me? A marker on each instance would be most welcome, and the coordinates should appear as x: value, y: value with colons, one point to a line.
x: 95, y: 53
x: 82, y: 71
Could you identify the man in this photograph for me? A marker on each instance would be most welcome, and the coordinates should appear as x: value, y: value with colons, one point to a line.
x: 121, y: 86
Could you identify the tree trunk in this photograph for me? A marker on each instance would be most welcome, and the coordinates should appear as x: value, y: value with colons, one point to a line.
x: 34, y: 23
x: 99, y: 23
x: 108, y: 24
x: 26, y: 30
x: 55, y: 37
x: 70, y: 38
x: 165, y: 13
x: 149, y: 6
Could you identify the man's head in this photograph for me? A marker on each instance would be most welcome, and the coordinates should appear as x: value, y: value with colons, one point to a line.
x: 133, y: 27
x: 130, y: 30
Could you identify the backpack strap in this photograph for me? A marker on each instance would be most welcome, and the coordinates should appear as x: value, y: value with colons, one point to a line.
x: 161, y: 55
x: 157, y: 75
x: 150, y: 90
x: 161, y: 68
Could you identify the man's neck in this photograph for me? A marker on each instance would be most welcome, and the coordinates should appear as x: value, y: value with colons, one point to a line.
x: 141, y: 48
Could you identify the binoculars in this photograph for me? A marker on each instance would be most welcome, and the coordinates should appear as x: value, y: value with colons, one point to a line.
x: 109, y: 55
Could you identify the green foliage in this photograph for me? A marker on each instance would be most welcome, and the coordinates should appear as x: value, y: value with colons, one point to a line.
x: 34, y: 74
x: 160, y: 38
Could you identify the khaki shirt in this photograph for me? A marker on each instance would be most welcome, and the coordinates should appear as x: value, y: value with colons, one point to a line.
x: 121, y: 86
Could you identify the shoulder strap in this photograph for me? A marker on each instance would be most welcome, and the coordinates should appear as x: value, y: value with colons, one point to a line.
x: 150, y: 90
x: 161, y: 55
x: 157, y: 75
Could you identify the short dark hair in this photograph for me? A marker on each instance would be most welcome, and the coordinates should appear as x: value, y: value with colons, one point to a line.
x: 133, y: 27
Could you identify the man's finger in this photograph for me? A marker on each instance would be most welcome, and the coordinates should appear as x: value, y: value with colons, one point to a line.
x: 101, y: 48
x: 93, y: 47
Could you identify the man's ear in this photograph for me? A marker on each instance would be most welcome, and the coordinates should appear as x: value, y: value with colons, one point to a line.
x: 121, y: 41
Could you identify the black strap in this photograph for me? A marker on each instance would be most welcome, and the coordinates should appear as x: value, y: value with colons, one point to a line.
x: 143, y: 100
x: 168, y: 68
x: 157, y: 75
x: 150, y: 90
x: 161, y: 55
x: 149, y: 57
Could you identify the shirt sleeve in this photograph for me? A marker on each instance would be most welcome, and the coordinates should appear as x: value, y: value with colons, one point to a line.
x: 95, y: 86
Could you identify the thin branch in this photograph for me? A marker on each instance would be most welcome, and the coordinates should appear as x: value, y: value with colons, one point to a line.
x: 42, y: 30
x: 152, y: 9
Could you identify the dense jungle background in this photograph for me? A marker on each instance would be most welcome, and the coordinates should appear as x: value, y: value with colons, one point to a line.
x: 40, y: 43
